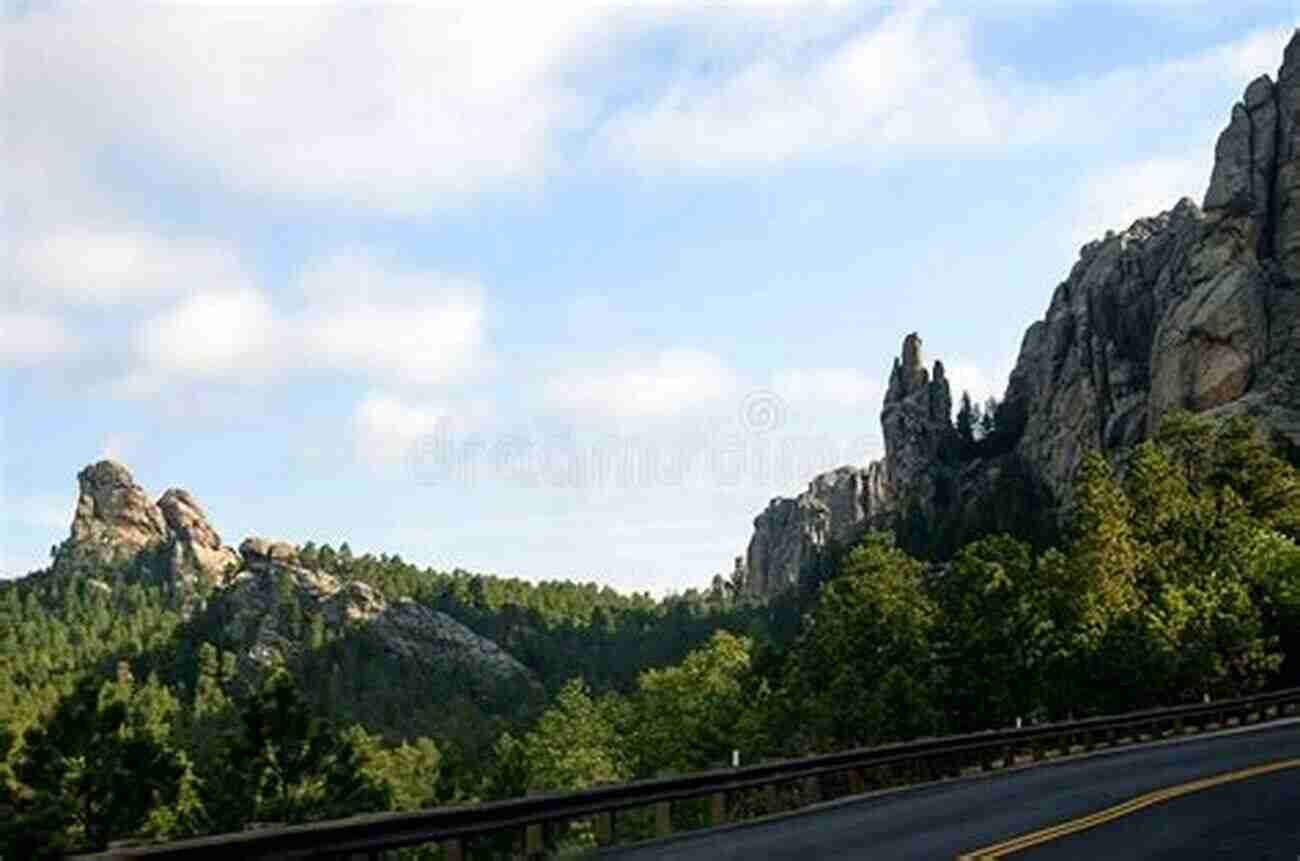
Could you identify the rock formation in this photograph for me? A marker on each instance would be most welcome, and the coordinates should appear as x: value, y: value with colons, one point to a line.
x: 1194, y: 308
x: 840, y: 505
x: 115, y: 521
x: 917, y: 425
x: 790, y: 533
x: 272, y: 574
x: 196, y: 548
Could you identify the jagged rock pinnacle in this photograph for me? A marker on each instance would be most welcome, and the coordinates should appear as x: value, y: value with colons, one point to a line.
x: 115, y: 521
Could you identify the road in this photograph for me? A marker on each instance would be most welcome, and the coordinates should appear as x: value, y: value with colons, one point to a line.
x: 1255, y: 816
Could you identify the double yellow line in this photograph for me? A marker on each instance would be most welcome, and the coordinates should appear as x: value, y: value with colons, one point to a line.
x: 1025, y: 841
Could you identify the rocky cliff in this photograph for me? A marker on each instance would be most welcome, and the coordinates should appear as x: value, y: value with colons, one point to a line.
x: 1194, y: 308
x: 838, y: 506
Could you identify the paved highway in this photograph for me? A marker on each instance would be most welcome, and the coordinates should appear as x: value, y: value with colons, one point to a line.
x: 1152, y: 801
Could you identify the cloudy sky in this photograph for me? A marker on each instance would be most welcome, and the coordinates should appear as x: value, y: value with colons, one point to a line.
x: 551, y: 290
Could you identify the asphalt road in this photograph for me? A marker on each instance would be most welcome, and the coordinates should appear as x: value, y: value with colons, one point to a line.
x: 1254, y: 818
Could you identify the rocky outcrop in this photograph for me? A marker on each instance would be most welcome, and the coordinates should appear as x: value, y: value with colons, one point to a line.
x: 839, y: 506
x: 790, y: 533
x: 115, y: 522
x: 196, y: 549
x: 1193, y: 309
x: 264, y: 590
x: 260, y: 552
x: 1083, y: 376
x: 114, y: 519
x: 916, y: 422
x: 412, y: 630
x: 252, y: 612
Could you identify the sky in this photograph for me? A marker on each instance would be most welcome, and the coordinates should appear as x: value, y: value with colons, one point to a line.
x: 562, y: 290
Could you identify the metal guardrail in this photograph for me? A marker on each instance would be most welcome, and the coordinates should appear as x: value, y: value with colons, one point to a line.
x: 450, y: 827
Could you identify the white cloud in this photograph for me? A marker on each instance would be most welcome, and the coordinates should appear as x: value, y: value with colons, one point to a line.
x: 386, y: 427
x: 665, y: 384
x: 84, y: 266
x: 359, y: 315
x: 836, y: 387
x: 414, y: 326
x: 416, y: 107
x: 908, y: 86
x: 908, y: 82
x: 396, y: 108
x: 211, y: 334
x: 28, y: 339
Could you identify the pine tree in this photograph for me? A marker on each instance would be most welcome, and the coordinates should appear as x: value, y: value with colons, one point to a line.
x: 966, y: 421
x: 286, y: 765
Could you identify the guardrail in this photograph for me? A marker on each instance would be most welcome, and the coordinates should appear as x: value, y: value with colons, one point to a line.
x: 855, y: 770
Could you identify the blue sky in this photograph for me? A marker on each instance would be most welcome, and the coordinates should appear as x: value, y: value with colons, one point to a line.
x: 560, y: 293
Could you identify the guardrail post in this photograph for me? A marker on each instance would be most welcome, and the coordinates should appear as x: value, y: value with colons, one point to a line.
x: 604, y: 828
x: 454, y: 849
x: 663, y: 819
x: 856, y: 783
x: 718, y: 809
x: 813, y: 790
x: 534, y: 841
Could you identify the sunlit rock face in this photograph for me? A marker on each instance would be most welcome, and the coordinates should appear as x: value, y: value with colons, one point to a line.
x: 196, y: 549
x: 114, y: 521
x: 1196, y: 308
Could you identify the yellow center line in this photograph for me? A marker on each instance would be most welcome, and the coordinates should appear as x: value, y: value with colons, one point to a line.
x: 1034, y: 838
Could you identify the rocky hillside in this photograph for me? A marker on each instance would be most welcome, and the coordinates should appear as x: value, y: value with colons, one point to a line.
x: 247, y: 592
x: 1194, y: 308
x: 250, y: 607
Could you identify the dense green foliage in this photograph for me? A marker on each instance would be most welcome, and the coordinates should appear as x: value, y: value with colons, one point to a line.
x: 1177, y: 578
x: 343, y: 726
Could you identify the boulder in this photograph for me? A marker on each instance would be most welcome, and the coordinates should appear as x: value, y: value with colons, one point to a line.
x: 262, y: 551
x: 196, y: 548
